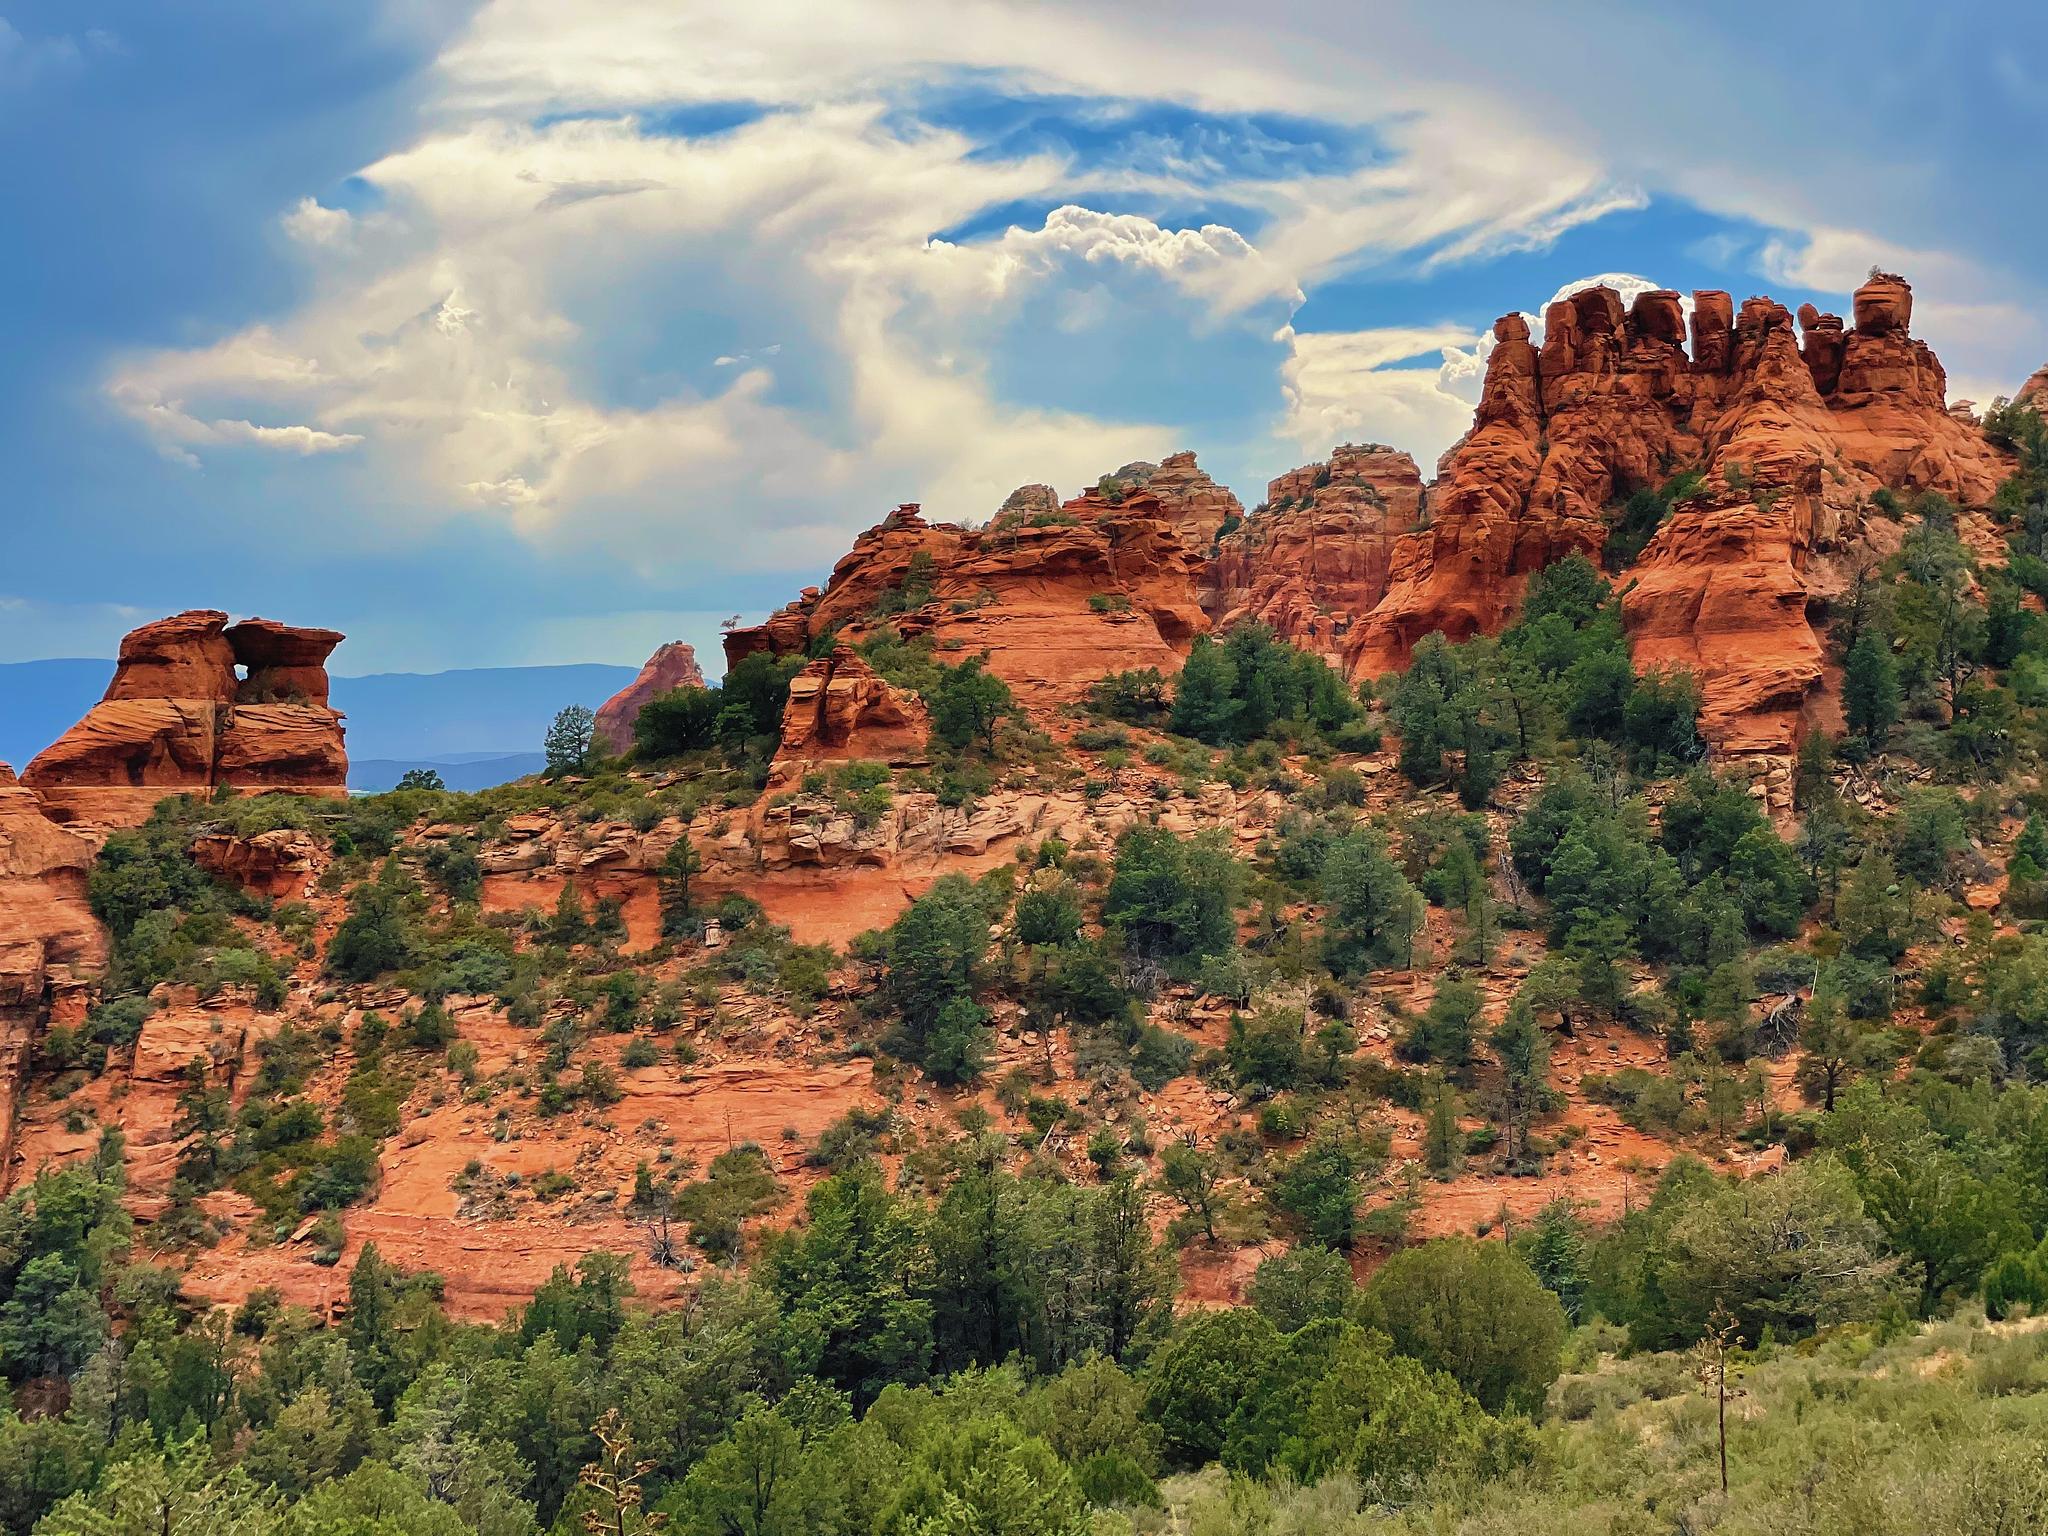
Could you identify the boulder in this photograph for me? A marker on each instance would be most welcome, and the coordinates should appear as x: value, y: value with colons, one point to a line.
x: 281, y: 864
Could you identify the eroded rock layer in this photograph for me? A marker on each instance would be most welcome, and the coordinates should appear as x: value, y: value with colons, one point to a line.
x: 1055, y: 599
x: 1317, y: 554
x: 840, y: 710
x: 51, y: 947
x: 196, y: 703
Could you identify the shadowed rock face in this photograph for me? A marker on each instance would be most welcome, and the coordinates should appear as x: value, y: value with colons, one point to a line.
x: 673, y: 666
x: 196, y: 703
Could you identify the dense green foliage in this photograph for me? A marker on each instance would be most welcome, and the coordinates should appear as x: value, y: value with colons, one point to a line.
x: 1466, y: 712
x: 1250, y: 686
x: 744, y: 711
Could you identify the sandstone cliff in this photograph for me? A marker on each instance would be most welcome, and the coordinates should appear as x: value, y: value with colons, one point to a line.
x: 51, y: 946
x: 1317, y: 554
x: 1789, y: 427
x: 671, y: 667
x: 1056, y: 599
x: 196, y: 703
x: 1792, y: 441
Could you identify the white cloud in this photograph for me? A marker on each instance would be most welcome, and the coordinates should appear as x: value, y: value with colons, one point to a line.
x: 464, y: 341
x: 1347, y: 384
x: 1342, y: 386
x: 311, y: 224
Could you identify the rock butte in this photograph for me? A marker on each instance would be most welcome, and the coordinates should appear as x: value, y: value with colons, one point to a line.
x: 673, y: 666
x: 1055, y: 599
x: 1319, y: 554
x: 196, y: 704
x: 1792, y: 443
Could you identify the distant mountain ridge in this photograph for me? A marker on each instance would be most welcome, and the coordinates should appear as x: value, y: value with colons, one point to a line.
x: 468, y: 724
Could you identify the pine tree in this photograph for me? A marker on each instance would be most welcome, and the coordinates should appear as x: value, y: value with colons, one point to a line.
x: 2033, y: 843
x: 1204, y: 697
x: 1870, y: 688
x: 567, y: 743
x: 1523, y: 1092
x: 678, y: 865
x: 1443, y: 1143
x: 1557, y: 1253
x: 969, y: 704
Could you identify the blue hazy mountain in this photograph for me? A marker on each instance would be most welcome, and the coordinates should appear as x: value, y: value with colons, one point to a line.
x: 373, y: 775
x: 479, y: 726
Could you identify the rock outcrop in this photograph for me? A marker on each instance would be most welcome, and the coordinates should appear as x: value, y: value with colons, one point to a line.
x: 673, y: 666
x: 1057, y: 600
x: 1196, y: 505
x: 1792, y: 440
x: 1791, y: 427
x: 2035, y: 391
x: 840, y: 710
x: 1317, y: 554
x: 195, y: 704
x: 280, y: 864
x: 51, y: 946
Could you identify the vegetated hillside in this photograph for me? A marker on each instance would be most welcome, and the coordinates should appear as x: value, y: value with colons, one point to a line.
x: 921, y: 1104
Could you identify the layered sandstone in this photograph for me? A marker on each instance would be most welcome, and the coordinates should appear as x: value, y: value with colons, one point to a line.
x: 1056, y: 601
x: 1793, y: 433
x: 1196, y: 505
x: 281, y: 864
x: 2035, y: 391
x: 51, y: 946
x: 196, y: 704
x: 841, y: 710
x: 669, y: 668
x: 1317, y: 553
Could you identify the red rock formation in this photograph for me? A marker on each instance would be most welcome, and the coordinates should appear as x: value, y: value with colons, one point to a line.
x: 1057, y: 601
x: 1029, y: 501
x: 673, y: 666
x: 1317, y: 554
x: 1460, y: 575
x: 1197, y: 506
x: 51, y: 946
x: 2035, y: 391
x: 280, y: 864
x: 1792, y: 441
x: 841, y: 710
x: 178, y: 719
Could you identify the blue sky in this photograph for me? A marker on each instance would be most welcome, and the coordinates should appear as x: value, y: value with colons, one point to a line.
x: 513, y: 332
